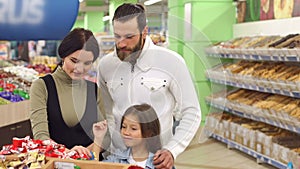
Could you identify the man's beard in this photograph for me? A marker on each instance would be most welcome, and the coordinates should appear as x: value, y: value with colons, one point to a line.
x: 131, y: 57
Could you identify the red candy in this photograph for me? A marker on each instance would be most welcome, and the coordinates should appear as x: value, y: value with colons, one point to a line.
x: 47, y: 147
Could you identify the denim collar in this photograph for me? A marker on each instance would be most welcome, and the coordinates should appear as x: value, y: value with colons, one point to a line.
x: 124, y: 156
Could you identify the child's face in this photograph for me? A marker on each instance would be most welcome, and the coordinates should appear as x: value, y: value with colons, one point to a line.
x: 131, y: 131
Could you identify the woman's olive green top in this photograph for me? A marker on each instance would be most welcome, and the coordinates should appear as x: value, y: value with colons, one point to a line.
x: 72, y: 96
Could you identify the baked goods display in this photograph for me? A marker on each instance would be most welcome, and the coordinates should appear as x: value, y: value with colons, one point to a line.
x: 264, y: 76
x: 258, y: 46
x: 157, y: 38
x: 267, y: 77
x: 274, y: 142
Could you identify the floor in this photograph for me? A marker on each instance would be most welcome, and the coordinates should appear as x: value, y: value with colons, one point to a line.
x: 212, y: 154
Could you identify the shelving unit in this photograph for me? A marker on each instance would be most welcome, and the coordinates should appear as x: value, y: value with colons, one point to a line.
x: 285, y: 56
x: 286, y: 88
x: 106, y: 44
x: 4, y: 50
x: 289, y: 127
x: 259, y: 157
x: 257, y: 88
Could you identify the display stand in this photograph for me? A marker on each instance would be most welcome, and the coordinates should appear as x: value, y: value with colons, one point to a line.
x: 85, y: 164
x: 290, y: 56
x: 260, y: 158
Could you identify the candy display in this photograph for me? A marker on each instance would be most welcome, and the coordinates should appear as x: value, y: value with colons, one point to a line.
x: 42, y: 69
x: 46, y: 148
x: 15, y: 83
x: 21, y: 93
x: 5, y: 63
x: 13, y: 97
x: 3, y: 101
x: 31, y: 160
x: 27, y: 153
x: 23, y: 72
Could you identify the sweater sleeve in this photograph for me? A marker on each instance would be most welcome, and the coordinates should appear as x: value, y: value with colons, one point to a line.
x: 107, y: 102
x: 38, y: 110
x: 188, y: 110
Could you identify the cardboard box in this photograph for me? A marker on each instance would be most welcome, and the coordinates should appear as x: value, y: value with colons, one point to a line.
x: 85, y: 164
x: 14, y: 112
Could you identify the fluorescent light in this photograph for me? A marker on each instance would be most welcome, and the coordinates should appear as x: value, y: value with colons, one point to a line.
x: 150, y: 2
x: 106, y: 18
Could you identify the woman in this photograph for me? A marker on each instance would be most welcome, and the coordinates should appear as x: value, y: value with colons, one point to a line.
x: 64, y: 106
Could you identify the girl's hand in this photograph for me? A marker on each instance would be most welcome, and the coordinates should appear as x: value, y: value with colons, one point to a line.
x: 99, y: 131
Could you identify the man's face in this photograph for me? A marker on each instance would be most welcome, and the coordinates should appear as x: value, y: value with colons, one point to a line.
x: 129, y: 40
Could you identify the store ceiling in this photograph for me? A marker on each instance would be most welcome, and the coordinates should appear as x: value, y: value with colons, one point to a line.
x: 103, y: 5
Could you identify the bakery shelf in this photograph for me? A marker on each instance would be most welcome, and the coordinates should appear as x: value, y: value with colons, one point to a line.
x: 285, y: 56
x: 243, y: 51
x: 295, y: 94
x: 286, y: 126
x: 260, y: 158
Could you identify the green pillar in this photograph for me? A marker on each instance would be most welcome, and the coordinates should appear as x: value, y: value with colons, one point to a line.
x: 201, y: 23
x: 93, y: 21
x: 175, y: 20
x: 113, y: 4
x: 78, y: 23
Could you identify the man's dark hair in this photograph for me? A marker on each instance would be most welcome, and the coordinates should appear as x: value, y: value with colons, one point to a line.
x: 128, y: 11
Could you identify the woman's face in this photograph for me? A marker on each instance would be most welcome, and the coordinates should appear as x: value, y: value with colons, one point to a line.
x: 78, y: 64
x: 131, y: 131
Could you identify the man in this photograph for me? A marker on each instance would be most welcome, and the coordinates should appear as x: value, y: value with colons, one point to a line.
x: 140, y: 72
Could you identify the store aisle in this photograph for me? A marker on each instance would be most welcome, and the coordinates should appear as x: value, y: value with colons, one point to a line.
x: 213, y: 154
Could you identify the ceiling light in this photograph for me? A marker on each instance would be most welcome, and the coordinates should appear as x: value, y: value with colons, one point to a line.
x: 150, y: 2
x: 80, y: 1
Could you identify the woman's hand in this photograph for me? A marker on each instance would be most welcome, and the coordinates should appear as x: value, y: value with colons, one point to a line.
x: 99, y: 131
x: 81, y: 151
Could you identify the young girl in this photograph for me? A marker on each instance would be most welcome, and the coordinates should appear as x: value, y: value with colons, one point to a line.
x: 140, y: 130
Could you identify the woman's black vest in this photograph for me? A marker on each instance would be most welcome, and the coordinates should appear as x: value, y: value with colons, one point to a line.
x: 81, y: 133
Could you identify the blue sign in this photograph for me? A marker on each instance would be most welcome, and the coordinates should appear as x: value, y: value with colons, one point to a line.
x: 37, y: 19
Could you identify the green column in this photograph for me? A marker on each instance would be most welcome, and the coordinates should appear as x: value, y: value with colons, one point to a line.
x: 93, y: 21
x: 78, y: 23
x: 208, y: 21
x: 113, y: 4
x: 175, y: 20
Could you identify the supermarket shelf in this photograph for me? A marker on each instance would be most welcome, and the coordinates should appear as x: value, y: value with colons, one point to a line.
x: 267, y: 27
x: 260, y: 158
x: 108, y: 43
x: 289, y: 58
x: 295, y: 129
x: 295, y: 94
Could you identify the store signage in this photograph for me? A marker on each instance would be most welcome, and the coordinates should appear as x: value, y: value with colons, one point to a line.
x: 36, y: 19
x: 255, y: 10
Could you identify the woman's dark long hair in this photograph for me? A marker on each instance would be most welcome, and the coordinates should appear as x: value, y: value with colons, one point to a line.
x: 78, y: 39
